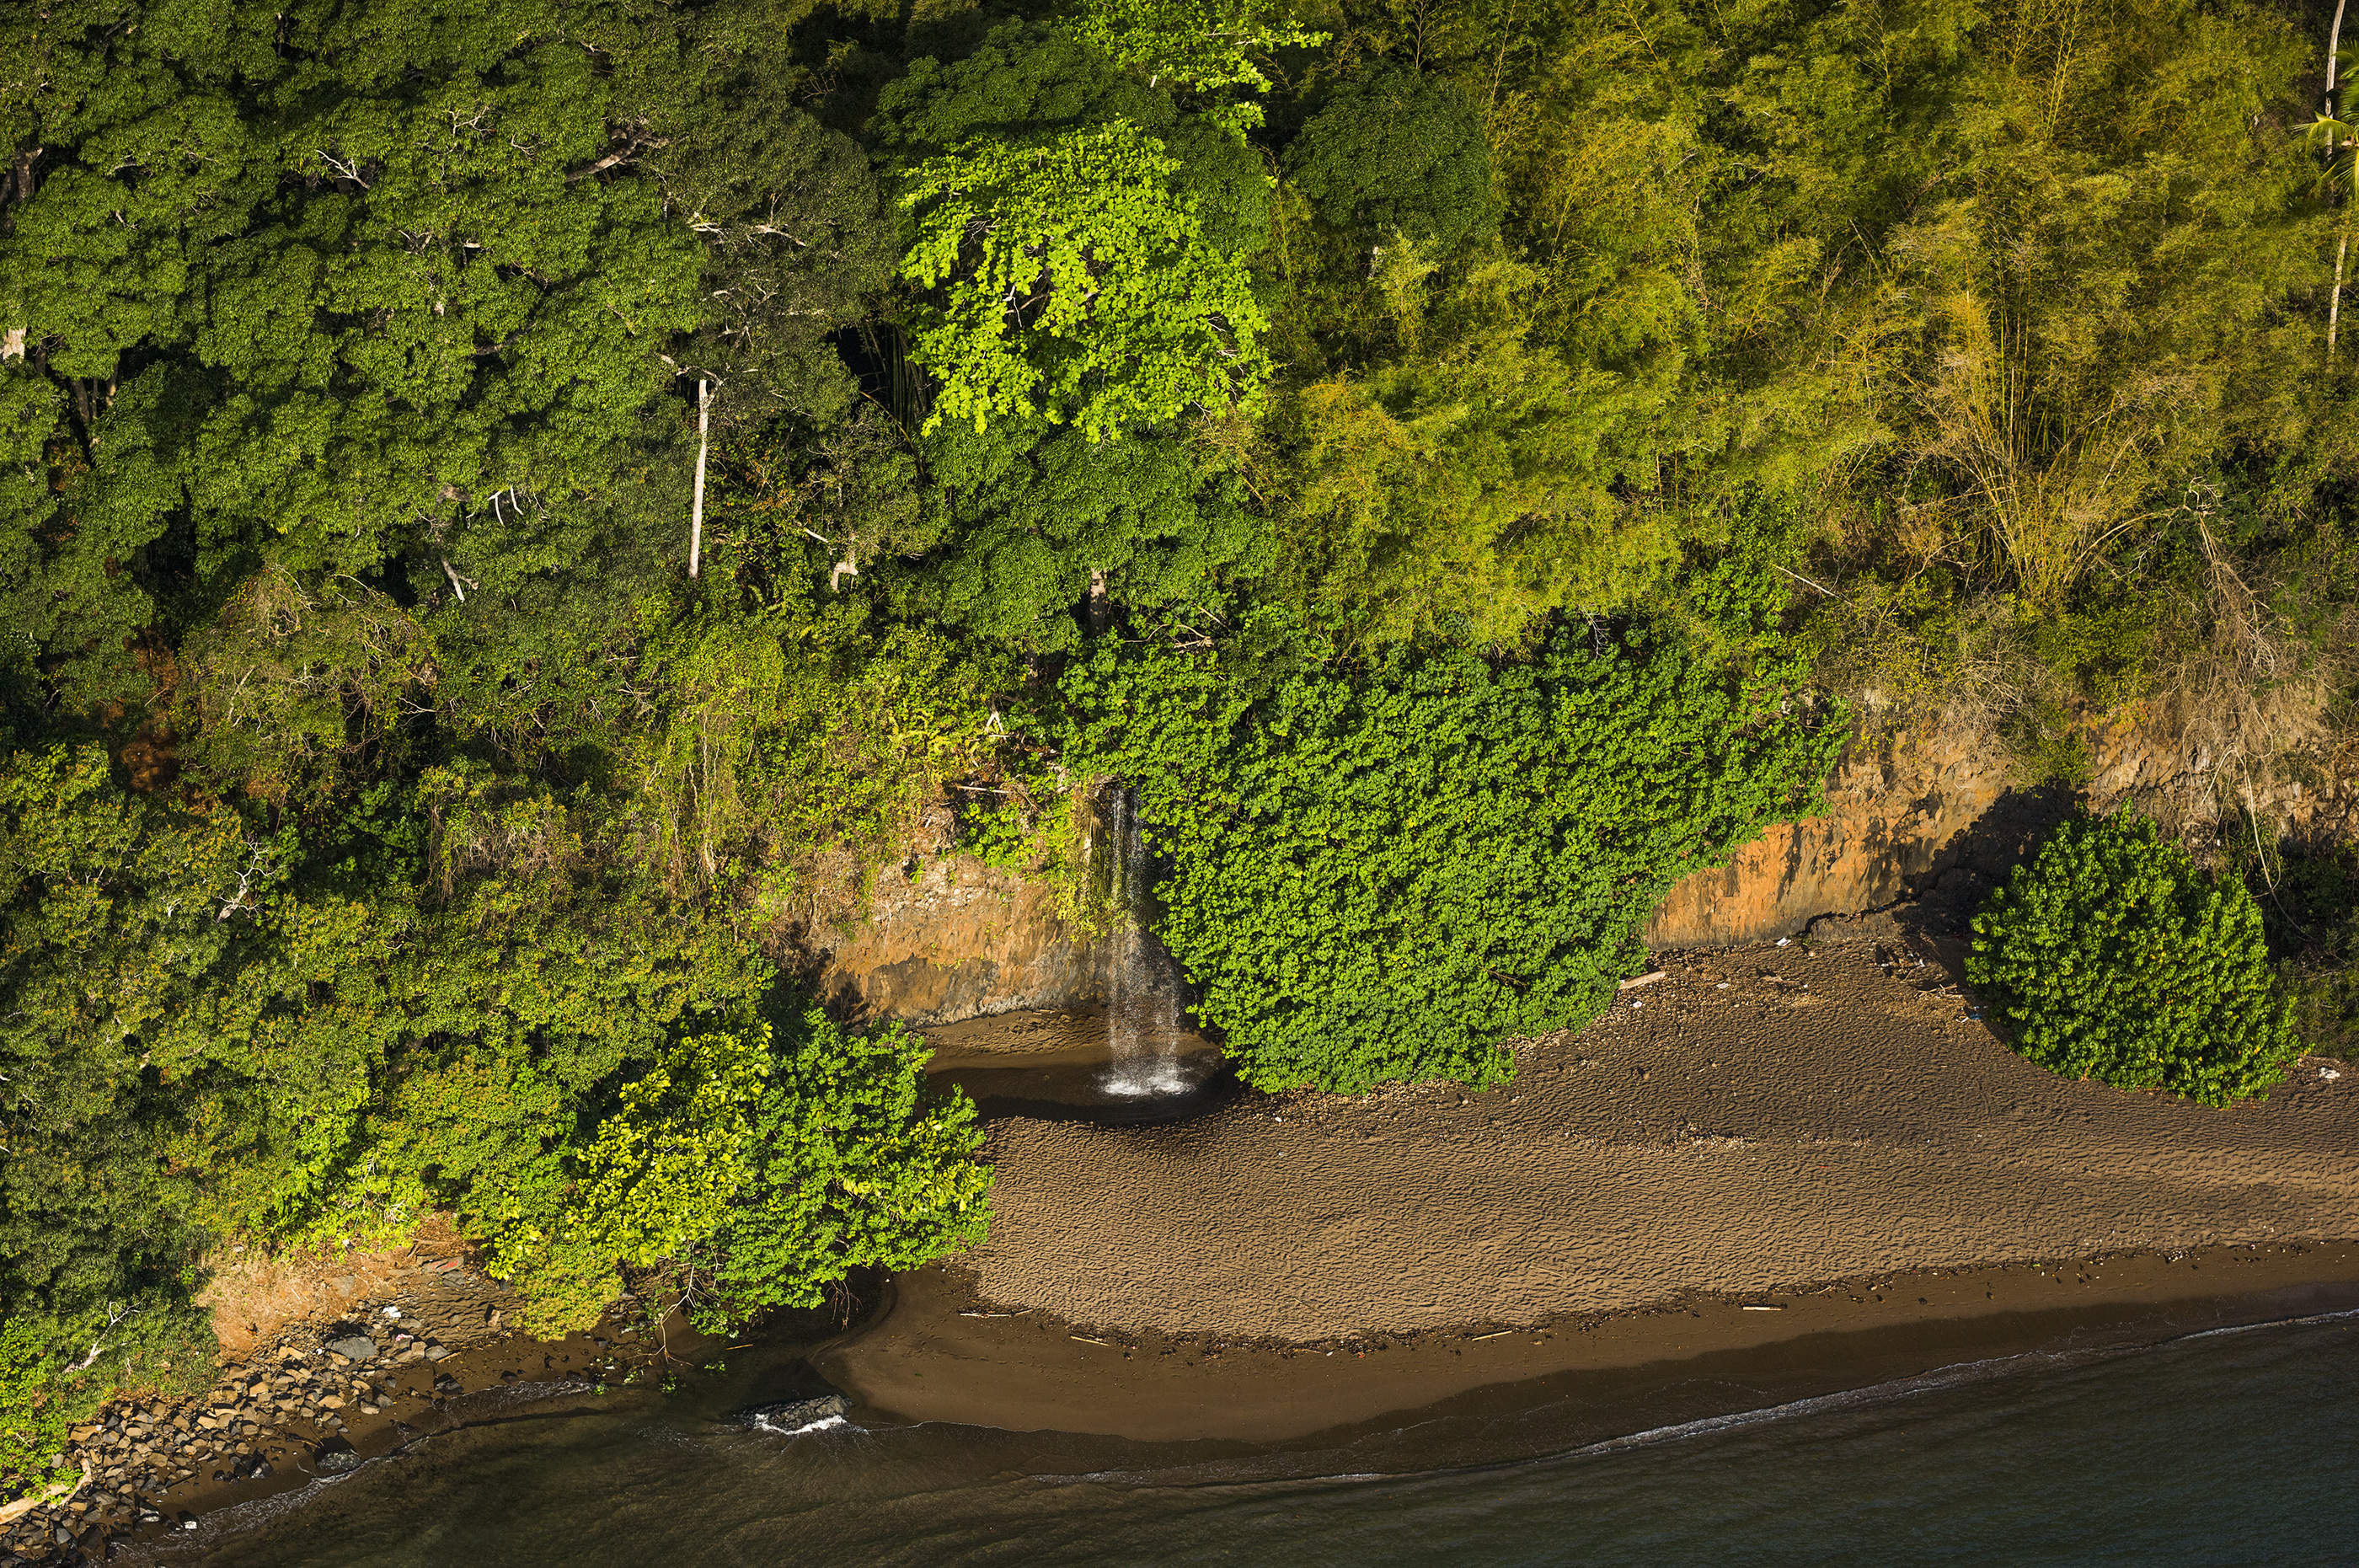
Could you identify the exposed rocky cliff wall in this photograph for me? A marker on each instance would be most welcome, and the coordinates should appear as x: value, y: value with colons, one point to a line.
x: 1897, y: 815
x: 1936, y: 814
x: 959, y: 941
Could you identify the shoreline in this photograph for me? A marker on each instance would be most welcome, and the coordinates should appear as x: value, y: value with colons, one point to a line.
x: 940, y: 1352
x: 1619, y: 1240
x: 932, y: 1350
x: 1808, y: 1167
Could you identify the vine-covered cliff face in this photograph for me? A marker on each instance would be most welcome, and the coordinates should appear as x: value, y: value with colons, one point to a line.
x: 1936, y: 814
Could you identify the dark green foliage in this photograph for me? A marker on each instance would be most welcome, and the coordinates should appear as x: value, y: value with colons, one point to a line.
x: 1395, y: 152
x: 111, y: 906
x: 2309, y: 898
x: 1022, y: 79
x: 326, y: 286
x: 1386, y: 875
x: 796, y: 237
x: 2111, y: 956
x: 1018, y: 529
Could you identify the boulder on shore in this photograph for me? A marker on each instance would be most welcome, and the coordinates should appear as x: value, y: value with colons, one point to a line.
x: 334, y: 1457
x: 794, y: 1415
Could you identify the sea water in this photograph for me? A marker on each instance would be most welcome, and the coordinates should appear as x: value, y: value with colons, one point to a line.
x: 2233, y: 1447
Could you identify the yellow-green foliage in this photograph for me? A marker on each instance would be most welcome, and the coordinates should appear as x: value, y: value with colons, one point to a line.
x: 756, y: 1170
x: 774, y: 736
x: 1455, y: 483
x: 1124, y: 313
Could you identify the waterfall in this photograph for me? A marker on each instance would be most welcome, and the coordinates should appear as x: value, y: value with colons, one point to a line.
x: 1142, y: 984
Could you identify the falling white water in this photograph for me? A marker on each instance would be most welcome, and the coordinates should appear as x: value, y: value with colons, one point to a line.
x: 1142, y: 987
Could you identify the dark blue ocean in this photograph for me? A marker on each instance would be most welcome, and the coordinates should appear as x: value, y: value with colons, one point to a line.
x: 2233, y: 1447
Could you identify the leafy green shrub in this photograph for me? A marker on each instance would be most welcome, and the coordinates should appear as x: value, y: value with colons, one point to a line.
x: 2113, y: 956
x: 756, y: 1167
x: 1385, y: 875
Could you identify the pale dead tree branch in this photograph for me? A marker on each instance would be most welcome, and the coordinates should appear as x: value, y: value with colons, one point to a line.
x: 2334, y: 300
x: 257, y: 862
x: 703, y: 441
x: 611, y: 158
x: 454, y: 576
x: 344, y: 169
x: 115, y: 1313
x: 2333, y: 49
x: 58, y: 1493
x: 1805, y: 582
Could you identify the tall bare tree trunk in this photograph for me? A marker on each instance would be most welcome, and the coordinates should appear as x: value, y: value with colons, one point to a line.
x: 2342, y: 245
x: 696, y: 511
x: 1100, y: 605
x: 2334, y: 300
x: 2333, y: 49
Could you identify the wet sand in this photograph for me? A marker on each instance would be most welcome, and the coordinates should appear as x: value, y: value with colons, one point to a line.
x: 938, y: 1353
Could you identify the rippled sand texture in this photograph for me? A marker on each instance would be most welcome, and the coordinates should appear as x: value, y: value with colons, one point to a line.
x: 1817, y: 1119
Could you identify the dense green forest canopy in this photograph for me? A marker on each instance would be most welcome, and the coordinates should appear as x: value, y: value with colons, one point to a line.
x: 1463, y: 466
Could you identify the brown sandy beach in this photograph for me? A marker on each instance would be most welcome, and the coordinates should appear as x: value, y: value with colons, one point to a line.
x: 1762, y: 1123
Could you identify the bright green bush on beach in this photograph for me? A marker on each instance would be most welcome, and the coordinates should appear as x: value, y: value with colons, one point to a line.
x: 754, y: 1169
x: 2113, y: 956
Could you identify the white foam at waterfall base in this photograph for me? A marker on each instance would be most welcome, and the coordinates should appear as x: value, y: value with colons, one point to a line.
x: 1142, y: 988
